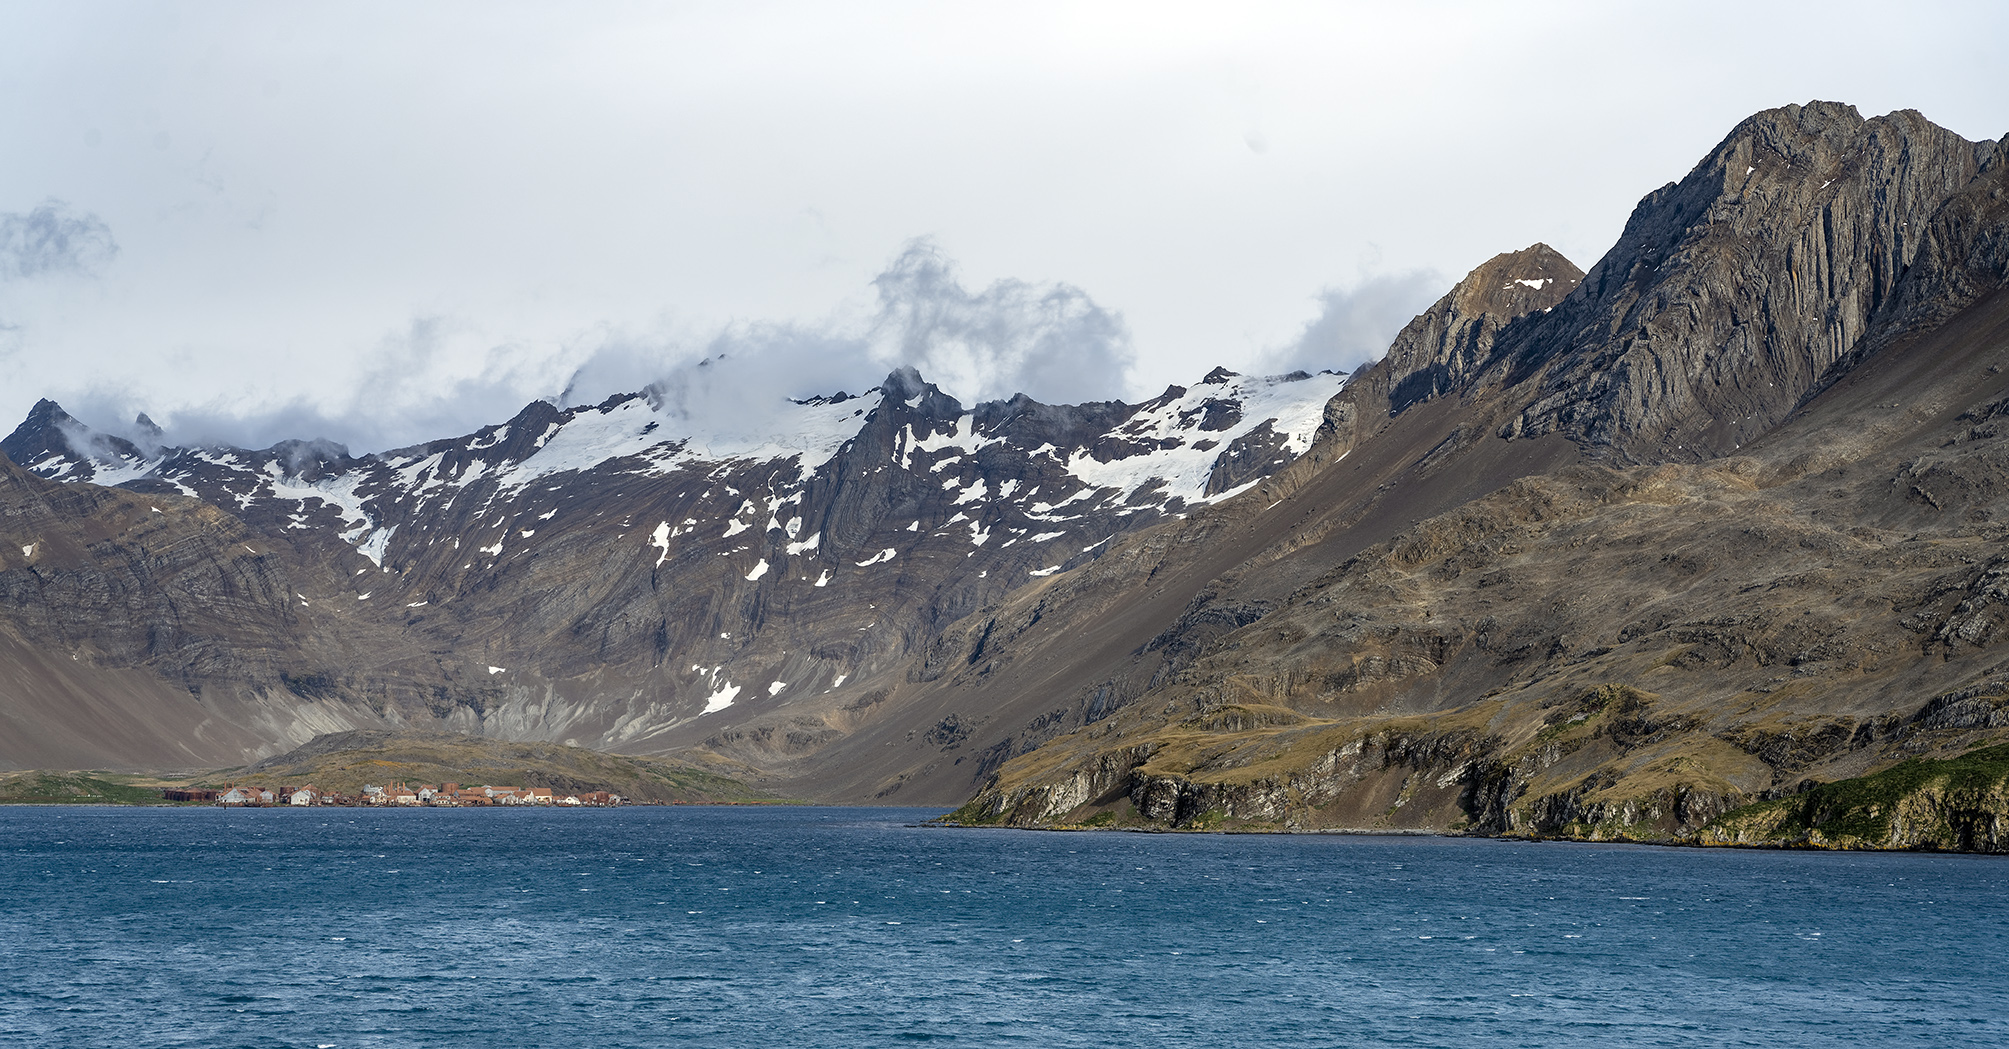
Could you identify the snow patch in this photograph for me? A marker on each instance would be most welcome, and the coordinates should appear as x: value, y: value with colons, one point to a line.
x: 961, y: 435
x: 661, y: 442
x: 878, y: 558
x: 337, y: 491
x: 1293, y: 407
x: 720, y: 699
x: 758, y: 571
x: 661, y: 538
x: 375, y: 546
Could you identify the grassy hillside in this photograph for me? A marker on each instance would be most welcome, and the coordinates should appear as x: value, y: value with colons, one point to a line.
x: 43, y: 787
x: 345, y: 761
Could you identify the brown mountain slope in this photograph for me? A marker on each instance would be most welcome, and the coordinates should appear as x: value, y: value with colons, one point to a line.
x: 1608, y: 651
x: 1053, y: 657
x: 156, y: 630
x: 1648, y: 358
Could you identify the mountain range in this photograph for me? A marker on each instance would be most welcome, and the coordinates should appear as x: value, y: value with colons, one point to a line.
x: 1593, y: 553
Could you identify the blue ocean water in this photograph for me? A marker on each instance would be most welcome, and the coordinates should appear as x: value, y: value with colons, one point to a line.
x: 848, y: 927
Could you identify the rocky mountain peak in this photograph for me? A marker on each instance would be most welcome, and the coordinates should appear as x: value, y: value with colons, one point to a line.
x: 32, y: 439
x: 1733, y: 292
x: 1513, y: 283
x: 1439, y: 350
x: 49, y: 433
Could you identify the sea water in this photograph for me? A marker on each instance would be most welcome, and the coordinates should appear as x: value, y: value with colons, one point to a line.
x: 852, y: 927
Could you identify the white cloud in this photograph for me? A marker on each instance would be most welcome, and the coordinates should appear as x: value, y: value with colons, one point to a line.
x: 1048, y: 341
x: 1355, y: 325
x: 440, y: 376
x: 53, y: 239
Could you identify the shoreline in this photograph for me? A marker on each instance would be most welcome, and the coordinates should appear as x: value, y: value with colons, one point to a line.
x: 1664, y: 843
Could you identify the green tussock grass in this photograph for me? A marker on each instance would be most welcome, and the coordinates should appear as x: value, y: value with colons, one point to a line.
x: 1919, y: 803
x: 40, y: 787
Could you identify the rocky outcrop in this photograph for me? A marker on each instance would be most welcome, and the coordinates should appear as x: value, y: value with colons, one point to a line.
x: 1962, y: 255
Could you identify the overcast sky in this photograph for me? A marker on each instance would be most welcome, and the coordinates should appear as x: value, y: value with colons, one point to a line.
x: 388, y: 222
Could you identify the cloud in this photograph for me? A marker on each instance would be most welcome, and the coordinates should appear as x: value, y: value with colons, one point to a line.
x: 1354, y: 326
x: 1048, y: 341
x: 437, y: 376
x: 53, y: 239
x: 743, y: 384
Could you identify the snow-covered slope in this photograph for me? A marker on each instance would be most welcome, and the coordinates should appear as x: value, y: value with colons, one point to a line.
x: 715, y: 575
x: 1162, y: 456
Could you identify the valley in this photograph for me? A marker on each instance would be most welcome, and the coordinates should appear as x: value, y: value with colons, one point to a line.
x: 1644, y: 551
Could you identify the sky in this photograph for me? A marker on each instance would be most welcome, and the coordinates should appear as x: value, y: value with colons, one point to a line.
x: 382, y: 223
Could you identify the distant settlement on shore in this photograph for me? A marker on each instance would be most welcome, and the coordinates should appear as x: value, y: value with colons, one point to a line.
x: 446, y: 795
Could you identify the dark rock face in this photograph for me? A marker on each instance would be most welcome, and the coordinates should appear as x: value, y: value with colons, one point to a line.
x: 1732, y: 293
x: 1440, y: 351
x: 177, y: 590
x: 1962, y: 254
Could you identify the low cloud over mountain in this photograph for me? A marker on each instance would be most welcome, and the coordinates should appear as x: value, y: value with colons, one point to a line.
x: 438, y: 376
x: 53, y: 238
